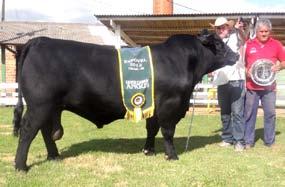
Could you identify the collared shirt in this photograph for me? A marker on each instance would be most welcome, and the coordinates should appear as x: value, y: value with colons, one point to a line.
x: 271, y: 50
x: 231, y: 72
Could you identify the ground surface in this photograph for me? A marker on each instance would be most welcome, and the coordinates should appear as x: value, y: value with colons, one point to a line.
x: 280, y: 112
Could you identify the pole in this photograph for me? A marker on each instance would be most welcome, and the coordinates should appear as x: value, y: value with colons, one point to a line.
x: 3, y: 64
x: 3, y: 11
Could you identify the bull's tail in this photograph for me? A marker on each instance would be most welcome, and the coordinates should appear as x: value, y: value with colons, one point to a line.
x: 18, y: 110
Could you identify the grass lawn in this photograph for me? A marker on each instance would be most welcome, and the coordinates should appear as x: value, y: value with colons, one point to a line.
x: 112, y: 157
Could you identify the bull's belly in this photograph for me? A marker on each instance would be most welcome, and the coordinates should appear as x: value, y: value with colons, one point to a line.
x: 98, y: 115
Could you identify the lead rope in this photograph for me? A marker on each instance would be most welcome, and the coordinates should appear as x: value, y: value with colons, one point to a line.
x: 191, y: 121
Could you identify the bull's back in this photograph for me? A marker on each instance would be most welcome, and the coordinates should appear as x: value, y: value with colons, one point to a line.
x: 77, y: 76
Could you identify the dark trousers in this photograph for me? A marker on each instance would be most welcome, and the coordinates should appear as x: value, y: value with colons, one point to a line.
x: 268, y: 102
x: 231, y: 100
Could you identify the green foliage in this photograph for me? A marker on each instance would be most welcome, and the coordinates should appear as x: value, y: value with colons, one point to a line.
x: 112, y: 156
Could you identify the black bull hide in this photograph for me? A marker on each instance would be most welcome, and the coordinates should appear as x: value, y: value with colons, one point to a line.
x: 57, y: 75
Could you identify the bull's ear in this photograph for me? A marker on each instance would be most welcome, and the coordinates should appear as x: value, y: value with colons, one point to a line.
x: 205, y: 32
x: 203, y: 36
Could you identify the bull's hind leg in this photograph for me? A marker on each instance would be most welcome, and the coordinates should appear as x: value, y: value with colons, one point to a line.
x: 52, y: 131
x: 168, y: 134
x: 52, y: 151
x: 57, y: 129
x: 152, y: 130
x: 34, y: 119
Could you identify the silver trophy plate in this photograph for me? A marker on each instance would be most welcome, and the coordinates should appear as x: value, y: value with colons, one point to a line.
x: 261, y: 73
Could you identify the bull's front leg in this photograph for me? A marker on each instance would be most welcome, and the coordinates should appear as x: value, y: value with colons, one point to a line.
x: 152, y: 128
x: 168, y: 134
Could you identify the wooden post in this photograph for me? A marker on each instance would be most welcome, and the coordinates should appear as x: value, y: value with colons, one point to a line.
x: 118, y: 37
x: 3, y: 64
x: 2, y: 53
x: 117, y: 29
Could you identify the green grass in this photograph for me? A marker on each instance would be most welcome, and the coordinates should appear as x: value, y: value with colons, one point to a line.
x: 112, y: 157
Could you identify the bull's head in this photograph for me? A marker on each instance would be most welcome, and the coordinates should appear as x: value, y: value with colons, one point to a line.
x: 224, y: 55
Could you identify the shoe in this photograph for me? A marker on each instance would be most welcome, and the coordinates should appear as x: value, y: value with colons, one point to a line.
x: 239, y: 147
x: 225, y: 144
x: 270, y: 145
x: 249, y: 146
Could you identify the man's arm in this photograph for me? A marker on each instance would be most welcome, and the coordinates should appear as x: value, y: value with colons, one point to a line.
x: 239, y: 27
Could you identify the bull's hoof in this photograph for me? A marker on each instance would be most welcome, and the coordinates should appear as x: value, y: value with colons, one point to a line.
x: 24, y: 168
x: 173, y: 157
x: 53, y: 157
x: 149, y: 152
x: 57, y: 135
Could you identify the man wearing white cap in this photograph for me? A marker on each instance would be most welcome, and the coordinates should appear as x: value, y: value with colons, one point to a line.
x: 230, y: 81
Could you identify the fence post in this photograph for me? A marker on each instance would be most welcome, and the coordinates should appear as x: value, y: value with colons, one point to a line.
x: 3, y: 64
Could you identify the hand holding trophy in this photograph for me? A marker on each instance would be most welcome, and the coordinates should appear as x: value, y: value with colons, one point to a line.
x: 263, y: 71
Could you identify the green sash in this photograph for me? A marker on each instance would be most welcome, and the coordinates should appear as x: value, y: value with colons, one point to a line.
x: 137, y: 82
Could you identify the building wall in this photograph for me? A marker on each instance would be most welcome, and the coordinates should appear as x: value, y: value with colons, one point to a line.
x: 10, y: 67
x: 10, y: 75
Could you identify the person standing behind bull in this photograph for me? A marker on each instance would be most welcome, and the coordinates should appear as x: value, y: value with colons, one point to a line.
x: 230, y: 81
x: 262, y: 47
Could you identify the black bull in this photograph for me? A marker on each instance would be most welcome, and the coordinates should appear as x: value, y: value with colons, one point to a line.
x: 57, y: 75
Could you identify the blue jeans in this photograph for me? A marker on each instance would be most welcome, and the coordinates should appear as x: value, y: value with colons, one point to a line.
x: 268, y: 102
x: 231, y: 100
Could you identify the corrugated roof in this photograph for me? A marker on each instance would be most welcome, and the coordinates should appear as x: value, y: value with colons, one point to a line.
x: 151, y: 29
x: 16, y: 33
x: 196, y: 14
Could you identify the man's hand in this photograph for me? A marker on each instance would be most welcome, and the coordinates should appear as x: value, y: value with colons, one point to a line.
x: 239, y: 25
x: 277, y: 67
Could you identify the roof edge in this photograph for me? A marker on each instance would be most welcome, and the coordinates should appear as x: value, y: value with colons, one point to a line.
x: 191, y: 16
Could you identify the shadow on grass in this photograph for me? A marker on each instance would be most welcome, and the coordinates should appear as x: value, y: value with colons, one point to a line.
x: 130, y: 146
x: 260, y: 132
x: 133, y: 146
